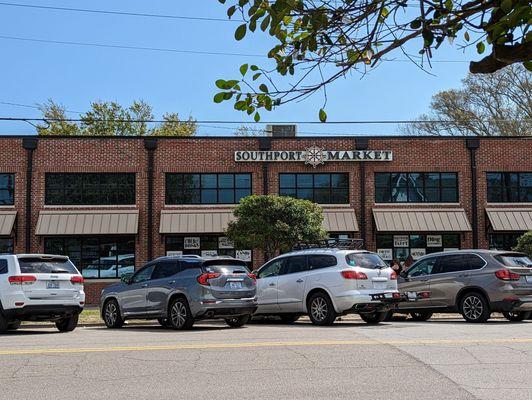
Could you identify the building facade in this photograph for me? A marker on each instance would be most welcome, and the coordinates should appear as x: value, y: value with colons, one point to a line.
x: 112, y: 204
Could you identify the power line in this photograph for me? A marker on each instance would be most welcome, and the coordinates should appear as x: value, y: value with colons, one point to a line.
x: 35, y: 107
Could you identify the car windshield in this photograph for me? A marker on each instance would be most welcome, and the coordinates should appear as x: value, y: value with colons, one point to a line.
x: 46, y: 266
x: 515, y: 260
x: 365, y: 260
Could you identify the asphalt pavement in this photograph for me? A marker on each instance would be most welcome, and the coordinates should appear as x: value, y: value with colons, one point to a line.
x: 439, y: 359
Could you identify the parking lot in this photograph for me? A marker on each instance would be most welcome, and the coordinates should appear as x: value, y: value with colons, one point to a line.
x: 440, y: 359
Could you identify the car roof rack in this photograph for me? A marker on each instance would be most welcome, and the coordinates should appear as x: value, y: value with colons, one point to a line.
x: 342, y: 244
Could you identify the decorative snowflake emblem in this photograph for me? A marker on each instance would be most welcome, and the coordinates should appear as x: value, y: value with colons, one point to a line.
x: 314, y: 156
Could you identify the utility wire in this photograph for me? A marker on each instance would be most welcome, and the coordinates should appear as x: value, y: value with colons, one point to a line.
x: 35, y: 107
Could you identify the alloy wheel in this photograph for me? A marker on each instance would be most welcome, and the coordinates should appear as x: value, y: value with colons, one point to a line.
x: 318, y: 308
x: 473, y: 307
x: 111, y: 313
x: 178, y: 314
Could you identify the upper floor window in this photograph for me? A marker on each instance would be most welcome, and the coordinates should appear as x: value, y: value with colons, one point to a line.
x: 7, y: 189
x: 319, y: 188
x: 90, y: 188
x: 207, y: 188
x: 416, y: 187
x: 509, y: 187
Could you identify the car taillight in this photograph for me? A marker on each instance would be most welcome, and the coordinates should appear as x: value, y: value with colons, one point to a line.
x: 350, y: 274
x: 22, y: 279
x: 393, y: 276
x: 424, y: 295
x: 507, y: 275
x: 253, y: 277
x: 203, y: 279
x: 77, y: 280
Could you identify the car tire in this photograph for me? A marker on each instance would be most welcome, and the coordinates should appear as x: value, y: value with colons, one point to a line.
x: 320, y: 309
x: 68, y: 324
x: 389, y: 316
x: 163, y: 322
x: 112, y: 316
x: 179, y: 315
x: 475, y: 308
x: 421, y: 316
x: 289, y: 318
x: 13, y: 326
x: 3, y: 322
x: 238, y: 322
x: 375, y: 317
x: 516, y: 316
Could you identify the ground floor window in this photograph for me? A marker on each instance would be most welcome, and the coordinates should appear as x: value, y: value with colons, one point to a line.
x: 6, y: 245
x: 400, y: 247
x: 96, y: 256
x: 504, y: 241
x: 205, y: 246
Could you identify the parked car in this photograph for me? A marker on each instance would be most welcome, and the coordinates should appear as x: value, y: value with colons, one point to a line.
x: 474, y: 283
x: 325, y: 283
x: 107, y: 267
x: 176, y: 291
x: 39, y: 287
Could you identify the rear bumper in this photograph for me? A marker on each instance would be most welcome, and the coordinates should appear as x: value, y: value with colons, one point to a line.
x: 215, y: 313
x: 347, y: 302
x: 42, y: 312
x: 513, y: 303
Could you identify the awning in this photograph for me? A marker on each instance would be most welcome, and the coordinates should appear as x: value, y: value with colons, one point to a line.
x: 510, y: 219
x: 340, y: 221
x: 123, y: 222
x: 175, y: 221
x: 7, y: 220
x: 421, y: 220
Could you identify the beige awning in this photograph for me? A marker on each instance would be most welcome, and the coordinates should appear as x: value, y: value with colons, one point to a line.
x: 123, y: 222
x: 340, y: 221
x: 418, y: 220
x: 510, y: 219
x: 208, y: 221
x: 7, y: 220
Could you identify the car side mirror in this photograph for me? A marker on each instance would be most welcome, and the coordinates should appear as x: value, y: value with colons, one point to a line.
x: 126, y: 278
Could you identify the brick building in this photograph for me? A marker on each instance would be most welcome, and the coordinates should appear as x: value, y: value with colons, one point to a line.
x: 111, y: 204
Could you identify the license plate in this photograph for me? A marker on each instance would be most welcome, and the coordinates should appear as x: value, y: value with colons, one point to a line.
x: 379, y: 285
x: 52, y: 285
x: 235, y: 285
x: 412, y: 296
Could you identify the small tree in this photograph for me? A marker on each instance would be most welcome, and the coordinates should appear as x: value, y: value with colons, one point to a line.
x: 524, y: 244
x: 275, y: 223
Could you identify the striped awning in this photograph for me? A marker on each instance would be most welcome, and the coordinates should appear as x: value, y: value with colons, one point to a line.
x: 7, y: 221
x: 340, y: 221
x: 421, y: 220
x: 510, y: 219
x: 123, y: 222
x: 208, y: 221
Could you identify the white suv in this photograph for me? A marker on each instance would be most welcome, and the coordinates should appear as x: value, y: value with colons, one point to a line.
x: 37, y: 287
x: 325, y: 283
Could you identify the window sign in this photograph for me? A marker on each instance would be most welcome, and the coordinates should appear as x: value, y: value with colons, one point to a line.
x: 401, y: 241
x: 434, y: 241
x: 209, y: 253
x: 244, y: 255
x: 225, y: 243
x: 174, y: 253
x: 191, y: 243
x: 385, y: 254
x: 417, y: 253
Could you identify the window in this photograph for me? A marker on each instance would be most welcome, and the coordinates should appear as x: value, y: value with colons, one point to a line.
x: 321, y: 261
x: 207, y: 188
x: 30, y: 265
x: 90, y: 188
x: 3, y: 266
x: 400, y: 246
x: 295, y: 264
x: 96, y: 256
x: 509, y: 187
x: 143, y: 275
x: 422, y: 268
x: 504, y: 241
x: 271, y: 270
x: 319, y: 188
x: 416, y: 187
x: 474, y: 261
x: 7, y: 189
x: 165, y: 269
x: 452, y: 263
x: 6, y: 245
x: 514, y: 260
x: 365, y: 260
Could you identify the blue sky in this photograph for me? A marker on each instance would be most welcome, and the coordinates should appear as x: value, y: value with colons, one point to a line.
x: 184, y: 83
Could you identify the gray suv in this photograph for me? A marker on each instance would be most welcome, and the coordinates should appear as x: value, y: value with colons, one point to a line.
x: 180, y: 290
x: 474, y: 283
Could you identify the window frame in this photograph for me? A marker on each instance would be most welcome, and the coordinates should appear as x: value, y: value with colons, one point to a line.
x: 10, y: 190
x: 268, y: 265
x: 4, y: 266
x: 332, y: 190
x: 505, y: 187
x: 286, y: 260
x: 408, y: 272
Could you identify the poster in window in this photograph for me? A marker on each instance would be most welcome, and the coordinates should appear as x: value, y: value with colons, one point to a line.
x: 385, y: 254
x: 434, y: 241
x: 451, y: 249
x: 209, y: 253
x: 174, y: 253
x: 191, y: 243
x: 244, y: 255
x: 225, y: 243
x: 401, y: 241
x: 418, y: 253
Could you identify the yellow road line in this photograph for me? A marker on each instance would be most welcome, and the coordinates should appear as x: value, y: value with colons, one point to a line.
x: 243, y: 345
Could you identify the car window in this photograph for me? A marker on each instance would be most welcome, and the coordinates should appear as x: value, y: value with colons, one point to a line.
x: 365, y: 260
x: 421, y: 268
x: 321, y: 261
x: 143, y: 275
x: 38, y: 265
x: 189, y: 264
x: 3, y: 266
x: 452, y: 263
x: 165, y: 269
x: 272, y: 269
x: 514, y: 260
x: 294, y: 264
x: 474, y: 261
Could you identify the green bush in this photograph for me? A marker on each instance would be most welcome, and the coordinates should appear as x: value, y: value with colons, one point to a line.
x: 524, y: 244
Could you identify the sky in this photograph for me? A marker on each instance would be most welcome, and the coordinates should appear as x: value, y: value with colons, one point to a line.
x: 73, y: 75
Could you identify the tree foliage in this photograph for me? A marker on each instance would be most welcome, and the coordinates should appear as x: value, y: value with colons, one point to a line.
x: 108, y: 118
x: 275, y: 223
x: 499, y: 104
x: 524, y: 244
x: 329, y: 39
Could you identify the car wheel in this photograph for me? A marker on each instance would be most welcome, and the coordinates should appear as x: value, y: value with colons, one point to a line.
x: 237, y: 322
x: 163, y: 322
x: 320, y: 309
x: 516, y: 316
x: 13, y: 326
x: 289, y: 318
x: 389, y: 316
x: 179, y: 315
x: 112, y: 316
x: 68, y: 324
x: 375, y: 317
x: 421, y: 316
x: 475, y: 308
x: 3, y: 323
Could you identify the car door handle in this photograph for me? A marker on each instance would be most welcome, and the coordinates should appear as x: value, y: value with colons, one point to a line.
x: 145, y: 285
x: 272, y: 284
x: 299, y: 281
x: 171, y: 282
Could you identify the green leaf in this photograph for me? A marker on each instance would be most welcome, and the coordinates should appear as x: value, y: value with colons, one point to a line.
x: 264, y: 88
x: 243, y: 69
x: 265, y: 23
x: 254, y: 68
x: 528, y: 65
x: 506, y: 6
x: 449, y: 5
x: 428, y: 36
x: 415, y: 24
x: 230, y: 11
x: 240, y: 32
x: 230, y: 84
x: 466, y: 36
x: 322, y: 115
x: 257, y: 117
x: 256, y: 76
x: 219, y: 97
x: 220, y: 84
x: 480, y: 47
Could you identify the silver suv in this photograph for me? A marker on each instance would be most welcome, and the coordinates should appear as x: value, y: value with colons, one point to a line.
x: 180, y: 290
x: 474, y: 283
